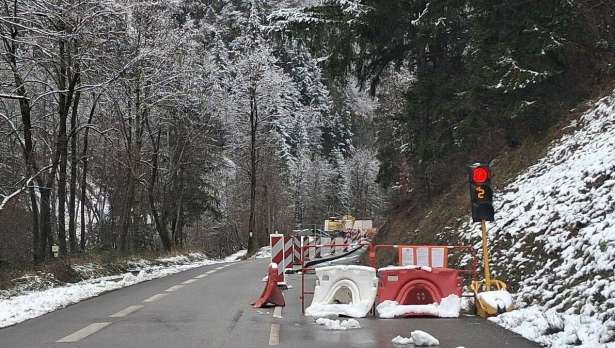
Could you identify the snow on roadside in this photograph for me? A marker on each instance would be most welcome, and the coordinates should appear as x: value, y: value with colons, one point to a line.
x: 33, y: 303
x: 449, y: 307
x: 263, y: 253
x: 554, y: 237
x: 331, y: 324
x: 236, y: 256
x: 554, y: 329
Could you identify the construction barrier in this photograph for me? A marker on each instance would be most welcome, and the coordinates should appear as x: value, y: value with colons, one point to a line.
x: 422, y: 282
x: 305, y: 253
x: 409, y: 285
x: 346, y: 241
x: 277, y: 255
x: 317, y: 249
x: 271, y: 295
x: 288, y: 254
x: 344, y: 290
x: 297, y: 250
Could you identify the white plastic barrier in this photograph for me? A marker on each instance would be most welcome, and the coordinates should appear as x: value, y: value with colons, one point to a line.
x: 344, y: 290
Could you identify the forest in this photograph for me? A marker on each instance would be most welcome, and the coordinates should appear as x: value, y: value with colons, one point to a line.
x: 131, y: 126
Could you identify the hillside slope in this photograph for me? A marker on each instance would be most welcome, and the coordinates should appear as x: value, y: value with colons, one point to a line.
x: 554, y: 237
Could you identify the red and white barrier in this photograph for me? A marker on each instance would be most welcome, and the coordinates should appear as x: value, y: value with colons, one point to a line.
x: 288, y: 253
x: 317, y: 251
x: 305, y: 242
x: 297, y: 250
x: 346, y: 241
x: 277, y: 255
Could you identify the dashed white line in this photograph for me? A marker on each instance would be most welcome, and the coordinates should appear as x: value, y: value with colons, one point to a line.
x: 174, y: 288
x: 219, y: 268
x: 201, y: 276
x: 124, y: 312
x: 155, y: 298
x: 274, y: 335
x: 190, y: 281
x: 210, y: 272
x: 83, y: 333
x: 277, y: 312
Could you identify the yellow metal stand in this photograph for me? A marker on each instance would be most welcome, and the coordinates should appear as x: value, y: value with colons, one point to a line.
x: 483, y: 309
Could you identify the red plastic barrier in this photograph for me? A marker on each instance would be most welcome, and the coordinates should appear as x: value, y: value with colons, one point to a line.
x: 417, y: 286
x: 271, y: 294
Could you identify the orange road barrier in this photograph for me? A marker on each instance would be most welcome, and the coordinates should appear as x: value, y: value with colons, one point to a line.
x: 271, y: 295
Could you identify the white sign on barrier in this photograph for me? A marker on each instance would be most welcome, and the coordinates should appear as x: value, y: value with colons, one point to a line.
x: 407, y: 256
x: 437, y: 257
x: 422, y: 257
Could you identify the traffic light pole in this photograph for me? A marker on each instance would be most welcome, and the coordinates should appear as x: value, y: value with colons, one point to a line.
x: 483, y: 226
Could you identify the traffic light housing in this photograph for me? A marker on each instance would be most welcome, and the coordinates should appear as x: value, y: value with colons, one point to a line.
x: 481, y: 193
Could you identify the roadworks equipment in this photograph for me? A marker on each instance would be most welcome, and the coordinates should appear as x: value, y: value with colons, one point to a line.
x: 491, y: 302
x: 347, y: 290
x: 271, y: 295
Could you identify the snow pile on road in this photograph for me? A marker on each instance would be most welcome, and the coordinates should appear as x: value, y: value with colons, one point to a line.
x: 554, y: 236
x: 28, y: 304
x: 355, y: 310
x: 338, y: 324
x: 417, y: 338
x: 449, y: 307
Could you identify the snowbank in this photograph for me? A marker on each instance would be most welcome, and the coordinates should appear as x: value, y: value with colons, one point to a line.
x: 34, y: 303
x: 555, y: 329
x: 338, y: 325
x: 449, y: 307
x: 554, y: 235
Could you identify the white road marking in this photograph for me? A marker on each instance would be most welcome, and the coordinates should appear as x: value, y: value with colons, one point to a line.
x: 155, y: 298
x: 174, y: 288
x: 189, y: 281
x: 219, y: 268
x: 124, y: 312
x: 277, y: 312
x: 274, y: 335
x: 83, y: 333
x: 201, y: 276
x: 210, y: 272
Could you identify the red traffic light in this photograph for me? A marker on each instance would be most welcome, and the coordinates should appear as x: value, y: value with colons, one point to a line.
x: 480, y: 175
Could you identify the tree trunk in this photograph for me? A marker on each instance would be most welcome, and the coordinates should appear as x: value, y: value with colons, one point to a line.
x: 72, y: 233
x: 161, y: 226
x: 84, y: 174
x: 252, y: 244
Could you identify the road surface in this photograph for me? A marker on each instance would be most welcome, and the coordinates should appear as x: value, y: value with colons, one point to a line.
x: 210, y: 307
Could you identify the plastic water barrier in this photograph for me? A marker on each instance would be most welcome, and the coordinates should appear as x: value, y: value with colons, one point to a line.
x: 344, y: 290
x: 433, y: 288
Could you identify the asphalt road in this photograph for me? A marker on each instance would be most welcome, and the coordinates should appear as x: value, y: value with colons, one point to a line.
x: 210, y: 307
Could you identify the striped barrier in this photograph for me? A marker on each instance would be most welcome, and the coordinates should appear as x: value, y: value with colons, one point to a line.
x: 317, y: 250
x: 297, y: 250
x: 305, y: 242
x: 277, y: 255
x: 288, y: 253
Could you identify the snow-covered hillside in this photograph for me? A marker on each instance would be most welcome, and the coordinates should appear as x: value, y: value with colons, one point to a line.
x: 554, y: 237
